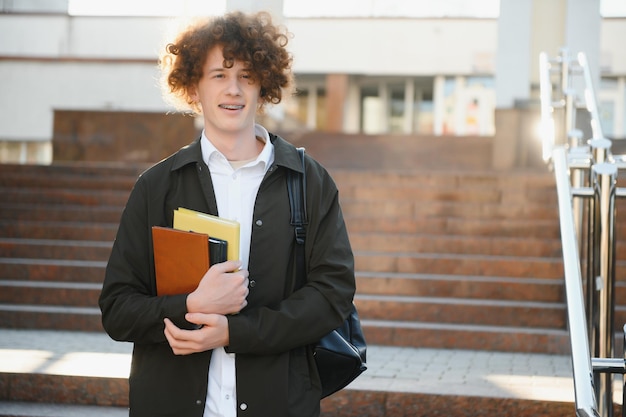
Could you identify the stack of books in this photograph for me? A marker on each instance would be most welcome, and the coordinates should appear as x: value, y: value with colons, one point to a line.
x: 184, y: 253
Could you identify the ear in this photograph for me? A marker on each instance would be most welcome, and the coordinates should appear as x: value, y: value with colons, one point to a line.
x: 193, y: 94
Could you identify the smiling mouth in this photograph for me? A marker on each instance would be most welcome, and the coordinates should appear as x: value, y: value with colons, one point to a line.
x: 231, y: 106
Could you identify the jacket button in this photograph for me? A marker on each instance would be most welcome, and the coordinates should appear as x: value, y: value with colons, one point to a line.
x: 243, y: 406
x: 259, y: 222
x: 198, y: 402
x: 252, y: 283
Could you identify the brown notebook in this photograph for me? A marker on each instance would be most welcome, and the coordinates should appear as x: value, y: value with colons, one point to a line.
x: 180, y: 259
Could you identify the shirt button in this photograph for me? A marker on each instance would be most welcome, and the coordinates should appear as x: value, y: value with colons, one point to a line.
x: 259, y: 222
x: 243, y: 406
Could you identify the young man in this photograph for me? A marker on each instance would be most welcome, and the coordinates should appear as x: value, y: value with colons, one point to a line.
x: 251, y: 355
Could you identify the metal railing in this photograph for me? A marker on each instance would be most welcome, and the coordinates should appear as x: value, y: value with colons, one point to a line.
x: 586, y: 180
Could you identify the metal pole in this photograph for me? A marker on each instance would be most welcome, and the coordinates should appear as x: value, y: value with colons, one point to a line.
x: 606, y: 177
x: 600, y: 149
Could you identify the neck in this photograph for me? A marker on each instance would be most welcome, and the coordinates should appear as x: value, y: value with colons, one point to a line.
x: 236, y: 147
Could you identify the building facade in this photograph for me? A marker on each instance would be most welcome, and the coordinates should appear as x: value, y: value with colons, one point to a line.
x: 372, y: 75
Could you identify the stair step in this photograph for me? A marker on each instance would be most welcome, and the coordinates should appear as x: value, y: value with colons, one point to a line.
x: 58, y: 230
x: 426, y: 208
x: 68, y: 294
x: 28, y: 269
x: 462, y: 311
x: 458, y: 264
x: 60, y: 213
x: 466, y: 336
x: 73, y: 389
x: 50, y: 317
x: 474, y: 227
x: 511, y: 180
x: 433, y: 285
x: 82, y: 250
x: 474, y: 245
x: 65, y: 196
x: 67, y: 181
x: 37, y: 409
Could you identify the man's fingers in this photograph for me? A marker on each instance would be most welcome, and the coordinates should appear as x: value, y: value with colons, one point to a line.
x: 181, y: 341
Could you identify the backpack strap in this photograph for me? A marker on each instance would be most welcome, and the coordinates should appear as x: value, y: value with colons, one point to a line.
x: 296, y: 188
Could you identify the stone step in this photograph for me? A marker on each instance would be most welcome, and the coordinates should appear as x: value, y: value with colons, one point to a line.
x: 470, y: 287
x: 70, y: 181
x: 60, y: 213
x: 38, y: 409
x: 418, y: 208
x: 83, y: 169
x: 87, y: 198
x: 484, y: 194
x: 50, y: 317
x: 460, y: 264
x: 455, y: 226
x: 507, y: 180
x: 81, y: 250
x: 63, y: 230
x: 460, y: 244
x: 466, y: 336
x: 69, y: 270
x: 462, y: 311
x: 65, y: 294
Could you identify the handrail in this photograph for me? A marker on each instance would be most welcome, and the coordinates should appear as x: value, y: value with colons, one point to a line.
x: 590, y: 98
x: 586, y: 404
x: 590, y: 318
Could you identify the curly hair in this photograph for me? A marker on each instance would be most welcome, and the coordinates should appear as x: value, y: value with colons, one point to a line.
x: 250, y: 39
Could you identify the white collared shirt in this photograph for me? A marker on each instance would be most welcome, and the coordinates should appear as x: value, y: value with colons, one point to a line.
x: 235, y: 192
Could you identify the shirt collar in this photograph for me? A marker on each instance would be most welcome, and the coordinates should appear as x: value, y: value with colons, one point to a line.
x: 266, y: 157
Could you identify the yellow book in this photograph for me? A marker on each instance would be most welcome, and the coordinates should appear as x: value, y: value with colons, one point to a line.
x: 214, y: 226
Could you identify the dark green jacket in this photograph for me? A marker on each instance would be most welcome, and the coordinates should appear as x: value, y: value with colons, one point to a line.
x: 276, y: 374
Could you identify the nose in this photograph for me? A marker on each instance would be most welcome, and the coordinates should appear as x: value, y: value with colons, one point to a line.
x: 234, y: 86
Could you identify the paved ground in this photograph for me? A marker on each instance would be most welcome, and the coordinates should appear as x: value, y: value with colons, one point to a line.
x: 432, y: 371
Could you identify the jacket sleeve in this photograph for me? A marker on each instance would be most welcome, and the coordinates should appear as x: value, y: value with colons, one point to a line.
x: 131, y: 311
x: 324, y: 302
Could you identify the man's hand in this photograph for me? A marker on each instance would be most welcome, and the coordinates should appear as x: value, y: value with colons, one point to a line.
x: 212, y: 334
x: 222, y: 290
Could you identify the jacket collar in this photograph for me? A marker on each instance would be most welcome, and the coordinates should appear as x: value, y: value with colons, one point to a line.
x: 285, y: 154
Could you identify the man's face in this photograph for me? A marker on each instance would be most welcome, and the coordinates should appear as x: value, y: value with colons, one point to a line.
x: 229, y: 96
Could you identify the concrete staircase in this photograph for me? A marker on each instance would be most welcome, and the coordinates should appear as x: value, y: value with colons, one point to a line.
x: 466, y: 259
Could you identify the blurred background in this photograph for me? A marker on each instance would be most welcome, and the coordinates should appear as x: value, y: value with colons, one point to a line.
x: 79, y: 78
